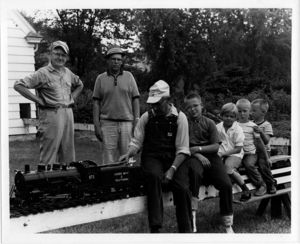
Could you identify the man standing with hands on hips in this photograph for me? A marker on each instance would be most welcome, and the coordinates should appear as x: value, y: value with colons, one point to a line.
x: 162, y: 133
x: 56, y: 88
x: 116, y: 107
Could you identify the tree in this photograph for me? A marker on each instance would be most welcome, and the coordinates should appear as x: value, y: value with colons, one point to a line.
x: 88, y: 33
x: 222, y: 53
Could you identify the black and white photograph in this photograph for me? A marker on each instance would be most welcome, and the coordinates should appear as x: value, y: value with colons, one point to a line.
x: 166, y: 122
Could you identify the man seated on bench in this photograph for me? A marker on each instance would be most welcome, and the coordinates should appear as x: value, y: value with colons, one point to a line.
x: 207, y: 165
x: 162, y: 133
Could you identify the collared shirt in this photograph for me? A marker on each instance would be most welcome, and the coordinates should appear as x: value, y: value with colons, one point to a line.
x: 115, y: 94
x: 233, y: 137
x: 52, y: 86
x: 182, y: 136
x: 203, y: 132
x: 250, y: 135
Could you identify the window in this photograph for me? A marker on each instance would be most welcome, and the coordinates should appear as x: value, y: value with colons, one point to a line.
x: 25, y: 111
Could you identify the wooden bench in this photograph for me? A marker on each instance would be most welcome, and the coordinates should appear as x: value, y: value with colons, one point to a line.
x: 35, y: 223
x: 281, y: 170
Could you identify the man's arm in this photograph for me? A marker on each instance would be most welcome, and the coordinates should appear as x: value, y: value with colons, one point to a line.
x: 176, y: 163
x: 77, y: 90
x: 181, y: 143
x: 137, y: 140
x: 96, y: 116
x: 25, y: 92
x: 136, y: 107
x: 136, y: 110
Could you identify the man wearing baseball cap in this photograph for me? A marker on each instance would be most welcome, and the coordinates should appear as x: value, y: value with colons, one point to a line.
x: 116, y: 107
x: 162, y: 134
x: 56, y: 88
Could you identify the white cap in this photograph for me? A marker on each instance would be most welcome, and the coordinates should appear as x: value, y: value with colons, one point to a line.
x: 157, y: 91
x: 61, y: 44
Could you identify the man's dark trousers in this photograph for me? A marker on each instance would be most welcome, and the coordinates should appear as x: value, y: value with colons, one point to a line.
x: 154, y: 168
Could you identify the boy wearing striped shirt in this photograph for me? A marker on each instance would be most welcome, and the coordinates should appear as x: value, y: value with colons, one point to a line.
x: 259, y: 108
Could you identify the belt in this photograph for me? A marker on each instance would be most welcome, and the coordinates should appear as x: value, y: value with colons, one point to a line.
x: 56, y: 107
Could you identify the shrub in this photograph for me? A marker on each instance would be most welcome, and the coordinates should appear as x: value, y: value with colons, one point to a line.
x: 83, y: 110
x: 282, y: 128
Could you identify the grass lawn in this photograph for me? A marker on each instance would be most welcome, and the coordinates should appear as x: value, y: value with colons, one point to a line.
x: 245, y: 220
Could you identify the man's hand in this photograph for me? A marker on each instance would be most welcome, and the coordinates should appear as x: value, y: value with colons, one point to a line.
x: 98, y: 133
x: 205, y: 162
x: 124, y: 158
x: 169, y: 174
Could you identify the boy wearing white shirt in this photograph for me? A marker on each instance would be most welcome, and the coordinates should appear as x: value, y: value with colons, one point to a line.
x: 231, y: 148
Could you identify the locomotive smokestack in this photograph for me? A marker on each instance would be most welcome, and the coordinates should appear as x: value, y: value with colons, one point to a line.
x: 27, y: 168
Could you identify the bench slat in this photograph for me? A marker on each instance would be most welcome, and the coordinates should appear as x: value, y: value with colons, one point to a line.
x: 282, y: 170
x: 255, y: 198
x: 274, y: 172
x: 211, y: 191
x: 40, y: 222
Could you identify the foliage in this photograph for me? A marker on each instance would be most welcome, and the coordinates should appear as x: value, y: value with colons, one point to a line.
x: 282, y: 128
x: 83, y: 110
x: 204, y: 45
x: 86, y: 32
x: 224, y: 54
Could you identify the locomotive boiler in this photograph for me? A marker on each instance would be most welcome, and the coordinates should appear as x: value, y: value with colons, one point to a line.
x: 79, y: 183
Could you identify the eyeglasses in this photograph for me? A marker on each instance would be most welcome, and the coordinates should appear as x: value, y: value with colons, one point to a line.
x: 63, y: 55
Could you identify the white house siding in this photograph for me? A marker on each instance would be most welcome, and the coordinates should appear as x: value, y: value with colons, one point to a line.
x: 20, y: 64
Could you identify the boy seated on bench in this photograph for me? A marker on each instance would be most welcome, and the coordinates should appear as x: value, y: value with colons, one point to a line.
x: 252, y: 144
x: 205, y: 164
x: 259, y: 108
x: 231, y: 148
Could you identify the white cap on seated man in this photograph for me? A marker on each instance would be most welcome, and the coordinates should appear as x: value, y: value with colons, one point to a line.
x: 157, y: 91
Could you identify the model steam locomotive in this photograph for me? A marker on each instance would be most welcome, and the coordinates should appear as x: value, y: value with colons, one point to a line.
x: 79, y: 183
